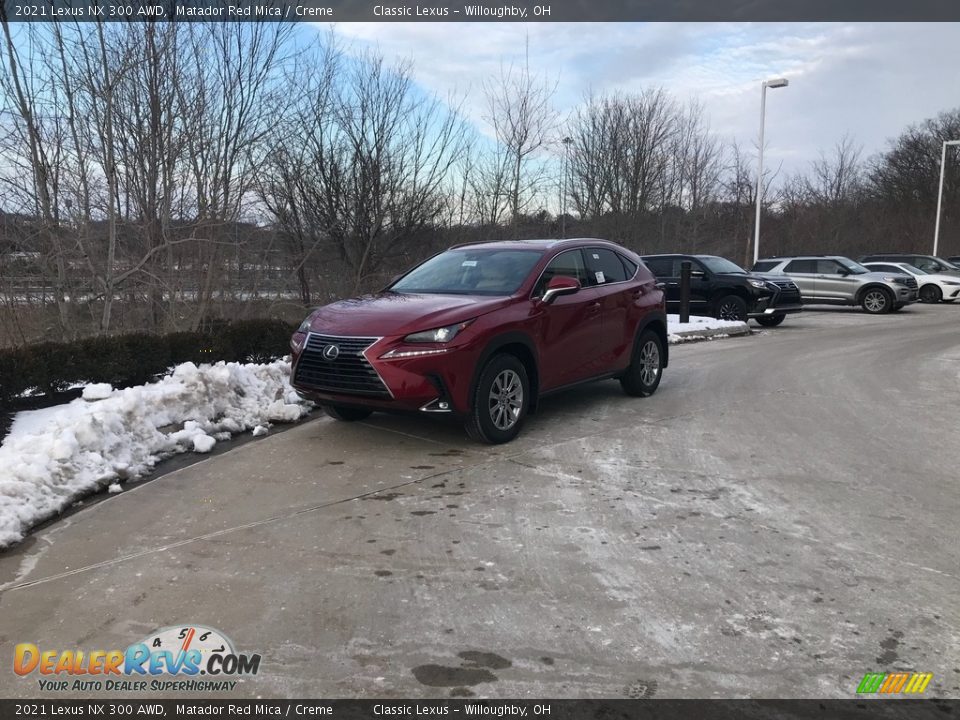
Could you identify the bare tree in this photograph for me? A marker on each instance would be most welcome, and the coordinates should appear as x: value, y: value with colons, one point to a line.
x: 520, y: 111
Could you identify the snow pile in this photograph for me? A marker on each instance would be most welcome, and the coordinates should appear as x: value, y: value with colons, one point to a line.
x: 59, y: 454
x: 702, y: 327
x: 97, y: 391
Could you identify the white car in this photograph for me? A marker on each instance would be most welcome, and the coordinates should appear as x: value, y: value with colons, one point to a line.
x: 933, y: 288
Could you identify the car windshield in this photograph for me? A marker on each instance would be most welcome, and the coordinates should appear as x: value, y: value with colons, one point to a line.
x: 721, y: 265
x: 470, y: 271
x: 948, y: 265
x: 914, y: 270
x: 855, y: 268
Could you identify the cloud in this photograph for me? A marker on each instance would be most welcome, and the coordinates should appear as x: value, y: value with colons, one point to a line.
x: 870, y: 80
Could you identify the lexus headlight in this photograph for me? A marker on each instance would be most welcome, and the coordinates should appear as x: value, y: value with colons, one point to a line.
x: 759, y: 284
x: 948, y: 282
x: 437, y: 335
x: 305, y: 325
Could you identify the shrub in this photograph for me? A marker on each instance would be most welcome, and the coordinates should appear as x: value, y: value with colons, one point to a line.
x: 125, y: 360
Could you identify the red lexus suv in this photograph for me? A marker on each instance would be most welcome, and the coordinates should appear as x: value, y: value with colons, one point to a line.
x: 482, y: 331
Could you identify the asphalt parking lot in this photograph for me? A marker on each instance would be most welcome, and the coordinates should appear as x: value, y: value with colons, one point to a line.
x: 779, y: 519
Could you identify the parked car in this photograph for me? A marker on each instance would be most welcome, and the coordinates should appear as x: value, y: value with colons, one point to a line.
x: 927, y: 263
x: 933, y: 287
x: 724, y: 290
x: 837, y: 280
x: 483, y: 331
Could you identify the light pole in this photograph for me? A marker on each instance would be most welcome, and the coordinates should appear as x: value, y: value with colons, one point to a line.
x: 774, y: 83
x: 943, y: 164
x: 567, y: 142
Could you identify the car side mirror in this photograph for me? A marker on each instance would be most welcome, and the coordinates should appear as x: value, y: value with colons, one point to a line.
x: 560, y: 285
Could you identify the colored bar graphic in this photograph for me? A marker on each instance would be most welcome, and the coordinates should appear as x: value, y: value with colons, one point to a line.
x: 892, y: 683
x: 870, y: 683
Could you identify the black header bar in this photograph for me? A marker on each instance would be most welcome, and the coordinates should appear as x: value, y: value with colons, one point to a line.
x: 483, y: 10
x: 854, y: 709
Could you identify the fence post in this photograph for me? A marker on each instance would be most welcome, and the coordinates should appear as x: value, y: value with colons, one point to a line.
x: 685, y: 291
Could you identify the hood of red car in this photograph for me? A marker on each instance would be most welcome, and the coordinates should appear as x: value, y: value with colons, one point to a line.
x: 390, y: 313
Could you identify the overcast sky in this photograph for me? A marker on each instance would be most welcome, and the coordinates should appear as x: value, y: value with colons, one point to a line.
x: 870, y: 80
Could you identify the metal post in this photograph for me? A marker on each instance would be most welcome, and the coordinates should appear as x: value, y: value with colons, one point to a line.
x: 943, y: 164
x: 756, y: 223
x: 563, y: 201
x: 685, y: 291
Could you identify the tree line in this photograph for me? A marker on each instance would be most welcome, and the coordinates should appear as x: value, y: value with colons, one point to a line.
x: 160, y: 175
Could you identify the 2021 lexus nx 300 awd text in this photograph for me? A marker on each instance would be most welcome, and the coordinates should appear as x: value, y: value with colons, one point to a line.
x: 483, y: 331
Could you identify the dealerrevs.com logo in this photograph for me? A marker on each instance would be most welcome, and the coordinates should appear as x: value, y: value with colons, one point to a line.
x: 180, y: 659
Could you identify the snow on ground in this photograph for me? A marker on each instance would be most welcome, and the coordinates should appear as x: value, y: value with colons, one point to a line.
x: 699, y: 327
x: 53, y: 456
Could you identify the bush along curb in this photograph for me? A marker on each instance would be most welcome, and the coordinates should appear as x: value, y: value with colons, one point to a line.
x: 127, y: 360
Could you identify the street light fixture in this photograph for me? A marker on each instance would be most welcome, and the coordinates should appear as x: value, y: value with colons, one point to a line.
x: 943, y: 164
x: 774, y: 83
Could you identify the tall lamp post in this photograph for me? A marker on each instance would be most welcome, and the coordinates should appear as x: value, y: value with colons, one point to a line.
x: 567, y: 142
x: 943, y: 164
x: 774, y: 83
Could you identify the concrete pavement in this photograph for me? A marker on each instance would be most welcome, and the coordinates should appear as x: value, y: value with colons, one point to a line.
x: 779, y: 519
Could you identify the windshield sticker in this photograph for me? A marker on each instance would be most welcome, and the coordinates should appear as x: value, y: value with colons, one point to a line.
x: 469, y: 263
x: 600, y: 278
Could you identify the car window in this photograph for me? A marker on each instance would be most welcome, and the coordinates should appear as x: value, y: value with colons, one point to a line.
x: 605, y: 266
x: 470, y: 271
x: 661, y: 267
x: 765, y: 265
x: 928, y: 264
x: 569, y: 264
x: 801, y: 266
x: 830, y: 267
x: 879, y: 267
x: 629, y: 265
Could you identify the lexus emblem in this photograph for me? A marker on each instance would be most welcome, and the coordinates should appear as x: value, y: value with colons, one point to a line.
x: 331, y: 352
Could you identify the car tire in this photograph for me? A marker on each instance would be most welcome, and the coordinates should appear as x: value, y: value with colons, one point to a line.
x: 347, y: 414
x: 877, y: 301
x: 500, y: 401
x: 770, y: 320
x: 646, y: 366
x: 731, y: 307
x: 930, y: 293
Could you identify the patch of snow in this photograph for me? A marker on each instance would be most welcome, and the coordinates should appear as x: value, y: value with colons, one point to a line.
x: 699, y: 328
x: 259, y: 430
x: 97, y: 391
x: 115, y: 488
x: 203, y: 443
x: 54, y: 456
x: 674, y: 326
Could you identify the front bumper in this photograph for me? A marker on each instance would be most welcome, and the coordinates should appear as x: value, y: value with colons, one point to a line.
x: 783, y: 301
x: 437, y: 381
x: 906, y: 295
x: 778, y: 310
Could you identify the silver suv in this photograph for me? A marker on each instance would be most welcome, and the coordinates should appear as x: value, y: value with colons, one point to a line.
x: 836, y: 280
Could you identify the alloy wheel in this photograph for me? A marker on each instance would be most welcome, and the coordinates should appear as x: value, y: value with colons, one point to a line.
x: 505, y: 399
x: 649, y: 362
x: 730, y: 311
x: 875, y: 301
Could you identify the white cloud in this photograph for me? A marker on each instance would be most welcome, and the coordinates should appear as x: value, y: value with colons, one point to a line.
x: 867, y: 79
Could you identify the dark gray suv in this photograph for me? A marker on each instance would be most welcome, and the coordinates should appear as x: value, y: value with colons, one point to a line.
x: 837, y: 280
